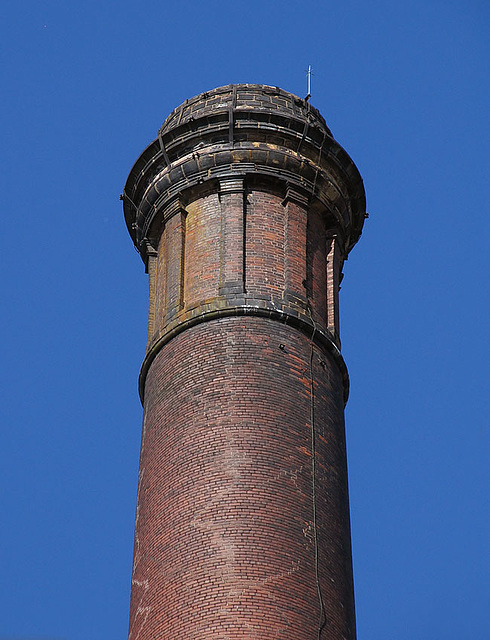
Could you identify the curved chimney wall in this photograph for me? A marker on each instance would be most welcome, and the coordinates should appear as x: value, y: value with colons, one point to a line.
x: 244, y: 209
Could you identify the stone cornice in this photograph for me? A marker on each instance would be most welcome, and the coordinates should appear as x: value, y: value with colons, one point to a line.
x: 247, y: 130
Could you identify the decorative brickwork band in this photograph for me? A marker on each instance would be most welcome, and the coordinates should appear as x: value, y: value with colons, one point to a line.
x: 243, y: 210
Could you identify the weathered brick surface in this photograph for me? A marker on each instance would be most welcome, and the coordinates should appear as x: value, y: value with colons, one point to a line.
x: 244, y: 246
x: 225, y: 533
x: 259, y: 98
x: 243, y: 209
x: 202, y: 250
x: 265, y: 240
x: 170, y: 267
x: 317, y: 267
x: 294, y: 247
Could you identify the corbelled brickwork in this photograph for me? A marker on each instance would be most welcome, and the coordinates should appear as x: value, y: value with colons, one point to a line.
x: 244, y: 210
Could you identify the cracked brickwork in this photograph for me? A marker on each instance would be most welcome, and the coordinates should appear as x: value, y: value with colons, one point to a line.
x: 244, y: 210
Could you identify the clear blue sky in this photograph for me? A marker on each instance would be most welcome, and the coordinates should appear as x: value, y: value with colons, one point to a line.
x: 404, y: 88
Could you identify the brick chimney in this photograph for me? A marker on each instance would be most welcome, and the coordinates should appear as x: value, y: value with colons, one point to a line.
x: 243, y: 209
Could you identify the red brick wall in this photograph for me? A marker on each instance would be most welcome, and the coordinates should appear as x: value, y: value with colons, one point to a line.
x: 265, y: 240
x: 247, y: 244
x: 317, y: 267
x: 225, y: 544
x: 202, y: 250
x: 295, y: 243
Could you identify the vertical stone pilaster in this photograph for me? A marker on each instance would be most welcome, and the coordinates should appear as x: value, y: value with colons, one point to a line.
x: 232, y: 256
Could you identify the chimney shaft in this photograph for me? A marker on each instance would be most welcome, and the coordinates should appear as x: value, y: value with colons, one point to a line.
x: 243, y: 209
